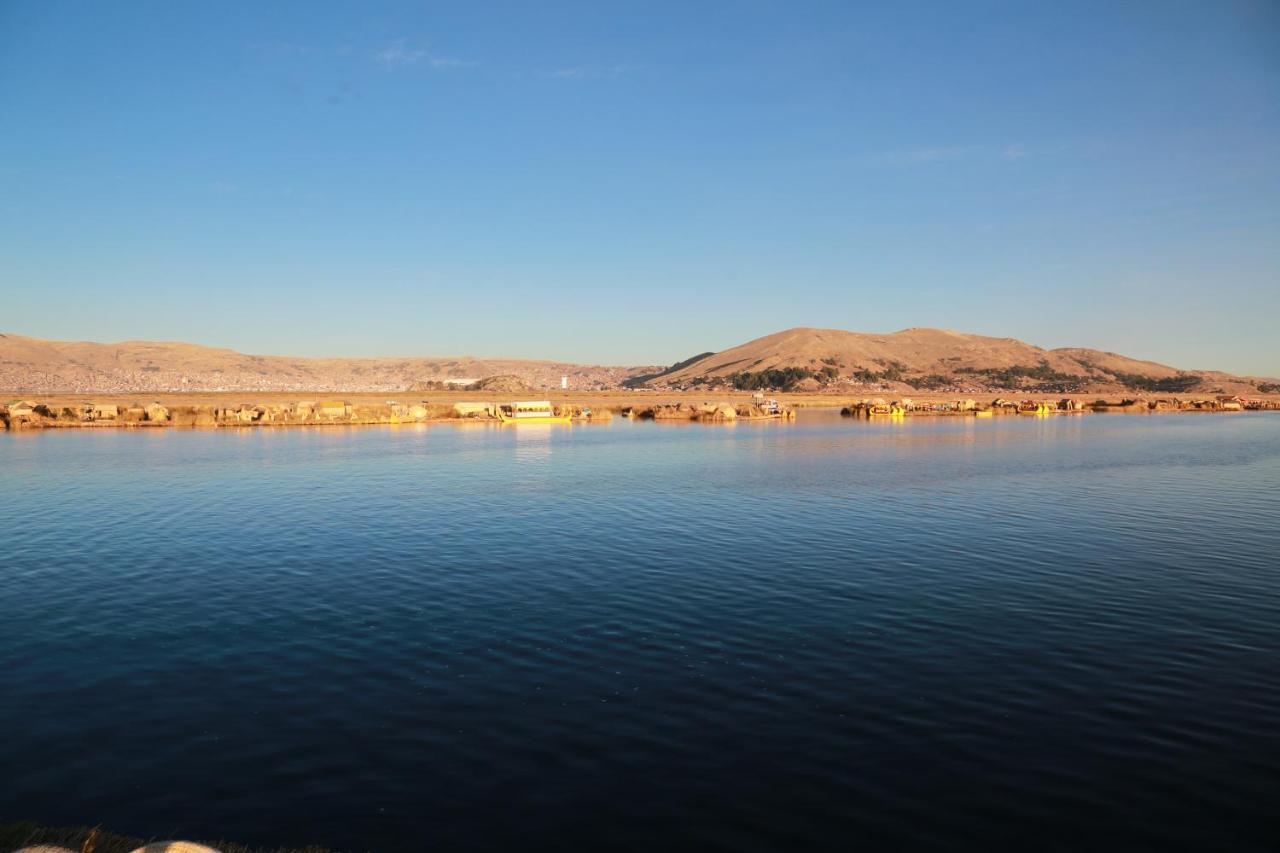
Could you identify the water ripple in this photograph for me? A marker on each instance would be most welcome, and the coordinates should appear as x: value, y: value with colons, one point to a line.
x: 933, y: 634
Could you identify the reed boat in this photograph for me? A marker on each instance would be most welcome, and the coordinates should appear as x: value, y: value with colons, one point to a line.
x: 532, y: 412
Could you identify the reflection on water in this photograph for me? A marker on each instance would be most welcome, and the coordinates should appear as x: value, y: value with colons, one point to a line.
x: 533, y: 442
x: 1050, y: 632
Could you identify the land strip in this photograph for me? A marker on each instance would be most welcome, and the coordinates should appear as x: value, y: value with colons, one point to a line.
x: 237, y: 409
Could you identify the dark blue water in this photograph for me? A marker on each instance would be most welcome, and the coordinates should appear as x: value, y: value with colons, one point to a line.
x: 1053, y: 633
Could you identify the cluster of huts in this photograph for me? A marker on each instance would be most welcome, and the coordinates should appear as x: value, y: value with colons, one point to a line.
x: 26, y: 414
x: 710, y: 412
x: 1000, y: 406
x: 156, y: 414
x: 908, y: 406
x: 1223, y: 403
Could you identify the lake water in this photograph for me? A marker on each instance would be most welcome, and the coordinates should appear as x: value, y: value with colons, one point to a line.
x: 1057, y: 633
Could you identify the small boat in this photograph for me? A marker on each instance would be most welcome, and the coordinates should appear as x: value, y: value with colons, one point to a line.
x: 532, y: 412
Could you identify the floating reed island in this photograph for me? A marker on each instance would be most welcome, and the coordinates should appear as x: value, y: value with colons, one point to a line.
x: 183, y: 411
x: 712, y: 412
x: 27, y: 414
x: 1066, y: 406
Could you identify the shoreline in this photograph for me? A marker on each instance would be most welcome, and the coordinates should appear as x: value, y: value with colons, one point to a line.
x: 222, y: 410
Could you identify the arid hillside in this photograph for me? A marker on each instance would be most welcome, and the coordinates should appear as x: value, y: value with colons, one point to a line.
x: 798, y: 360
x: 931, y: 359
x: 37, y: 366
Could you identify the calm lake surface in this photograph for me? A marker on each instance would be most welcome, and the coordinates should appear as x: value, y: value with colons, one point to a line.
x: 1057, y: 633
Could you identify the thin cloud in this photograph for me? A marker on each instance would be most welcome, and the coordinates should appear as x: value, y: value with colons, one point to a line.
x: 398, y: 54
x: 582, y: 72
x: 949, y: 153
x: 284, y: 49
x: 915, y: 156
x: 446, y: 62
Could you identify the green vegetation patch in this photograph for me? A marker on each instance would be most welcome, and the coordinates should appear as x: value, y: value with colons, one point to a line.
x: 1040, y: 377
x: 1168, y: 385
x: 931, y: 382
x: 779, y: 379
x: 893, y: 371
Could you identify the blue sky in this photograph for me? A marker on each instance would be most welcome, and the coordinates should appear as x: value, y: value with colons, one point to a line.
x: 638, y: 182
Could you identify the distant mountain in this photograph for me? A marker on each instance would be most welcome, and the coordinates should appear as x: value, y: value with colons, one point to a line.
x: 802, y: 359
x: 930, y: 360
x: 33, y: 365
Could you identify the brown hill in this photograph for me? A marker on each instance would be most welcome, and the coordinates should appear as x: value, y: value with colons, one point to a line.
x: 932, y: 359
x: 796, y: 359
x: 504, y: 384
x: 33, y: 365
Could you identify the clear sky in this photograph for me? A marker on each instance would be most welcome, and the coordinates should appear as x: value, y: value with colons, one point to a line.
x: 639, y: 182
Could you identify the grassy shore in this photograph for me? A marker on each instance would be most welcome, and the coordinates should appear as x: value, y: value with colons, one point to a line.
x: 615, y: 400
x: 86, y: 839
x: 321, y: 408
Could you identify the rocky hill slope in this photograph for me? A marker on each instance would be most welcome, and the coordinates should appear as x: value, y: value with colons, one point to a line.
x: 35, y: 366
x: 932, y: 360
x: 801, y: 359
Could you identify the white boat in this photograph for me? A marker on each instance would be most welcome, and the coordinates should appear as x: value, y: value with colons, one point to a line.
x: 532, y: 412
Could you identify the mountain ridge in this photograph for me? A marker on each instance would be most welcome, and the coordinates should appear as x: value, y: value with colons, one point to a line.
x: 800, y: 358
x: 39, y: 365
x: 922, y: 358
